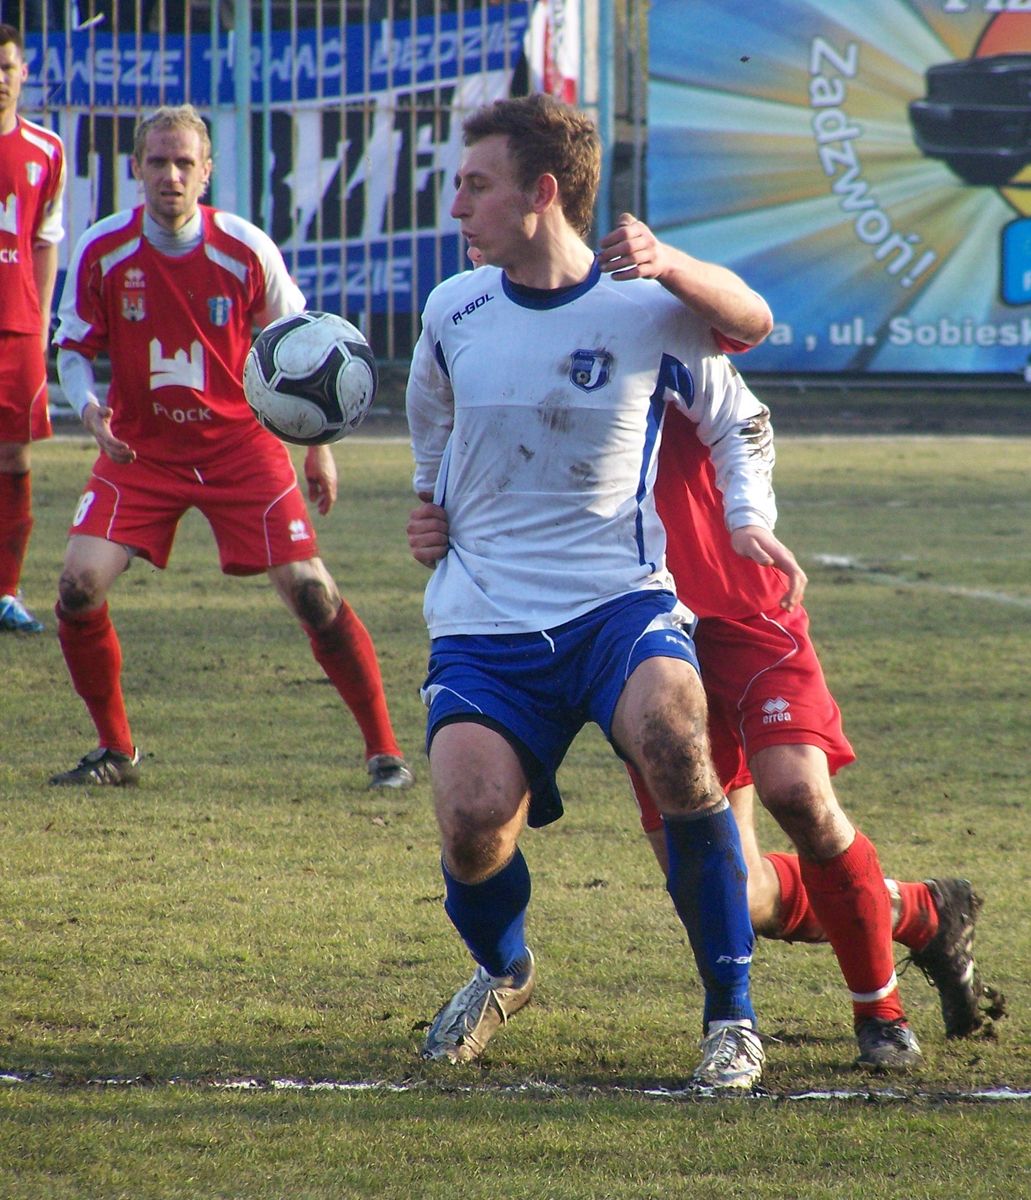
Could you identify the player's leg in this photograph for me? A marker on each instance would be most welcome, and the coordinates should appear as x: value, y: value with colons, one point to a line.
x: 15, y: 528
x: 344, y: 649
x: 481, y: 795
x: 23, y: 419
x: 764, y: 886
x: 93, y: 655
x: 845, y: 885
x: 660, y: 725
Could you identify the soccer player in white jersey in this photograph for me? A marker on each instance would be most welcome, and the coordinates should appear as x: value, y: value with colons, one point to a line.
x: 31, y: 194
x: 535, y: 402
x: 768, y: 699
x: 171, y: 290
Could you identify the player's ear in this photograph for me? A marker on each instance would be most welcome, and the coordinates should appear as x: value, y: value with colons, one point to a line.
x: 546, y: 193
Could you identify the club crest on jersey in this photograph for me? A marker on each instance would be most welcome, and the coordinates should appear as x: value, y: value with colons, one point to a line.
x: 34, y: 171
x: 219, y: 308
x: 133, y: 284
x: 589, y: 369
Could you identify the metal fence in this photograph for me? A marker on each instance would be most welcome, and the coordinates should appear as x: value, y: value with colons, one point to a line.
x: 335, y: 123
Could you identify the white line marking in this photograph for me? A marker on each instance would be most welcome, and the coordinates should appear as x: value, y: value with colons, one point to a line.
x: 876, y: 575
x: 256, y: 1084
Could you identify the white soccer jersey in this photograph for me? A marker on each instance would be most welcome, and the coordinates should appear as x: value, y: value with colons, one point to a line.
x: 535, y: 421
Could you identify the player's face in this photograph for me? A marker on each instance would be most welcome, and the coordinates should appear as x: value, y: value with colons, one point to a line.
x: 13, y: 73
x: 495, y: 213
x: 174, y: 171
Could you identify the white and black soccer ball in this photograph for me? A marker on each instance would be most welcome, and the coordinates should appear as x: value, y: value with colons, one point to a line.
x: 310, y: 378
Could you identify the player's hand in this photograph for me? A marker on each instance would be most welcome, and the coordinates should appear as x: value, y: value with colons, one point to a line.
x: 320, y: 471
x: 632, y: 251
x: 97, y: 420
x: 761, y: 546
x: 427, y: 531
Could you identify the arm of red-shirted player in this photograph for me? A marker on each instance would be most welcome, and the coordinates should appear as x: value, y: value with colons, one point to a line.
x: 320, y: 473
x: 763, y: 547
x: 75, y: 371
x: 44, y: 271
x: 738, y: 316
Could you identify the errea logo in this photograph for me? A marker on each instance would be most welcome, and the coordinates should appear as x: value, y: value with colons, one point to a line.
x: 299, y: 531
x: 776, y: 711
x: 458, y: 317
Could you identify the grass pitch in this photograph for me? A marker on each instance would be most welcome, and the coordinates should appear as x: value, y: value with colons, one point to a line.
x: 251, y: 913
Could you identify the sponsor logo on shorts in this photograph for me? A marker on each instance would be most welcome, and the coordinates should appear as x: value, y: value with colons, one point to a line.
x: 776, y: 711
x: 299, y: 531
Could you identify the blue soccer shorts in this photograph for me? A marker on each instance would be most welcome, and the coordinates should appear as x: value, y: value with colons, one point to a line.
x: 538, y: 690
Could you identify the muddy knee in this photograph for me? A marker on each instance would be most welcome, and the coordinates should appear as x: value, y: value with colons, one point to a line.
x: 78, y: 591
x: 314, y: 603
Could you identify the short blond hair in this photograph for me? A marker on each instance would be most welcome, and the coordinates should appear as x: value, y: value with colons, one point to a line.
x: 171, y: 116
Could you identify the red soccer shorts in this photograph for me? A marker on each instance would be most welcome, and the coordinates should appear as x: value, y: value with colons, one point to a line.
x: 24, y: 416
x: 249, y: 496
x: 765, y: 687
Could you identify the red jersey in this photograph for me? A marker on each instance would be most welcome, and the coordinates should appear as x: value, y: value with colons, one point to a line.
x: 31, y: 193
x: 176, y: 329
x: 712, y: 578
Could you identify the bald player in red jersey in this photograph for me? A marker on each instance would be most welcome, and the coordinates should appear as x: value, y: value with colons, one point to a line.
x: 774, y: 721
x: 171, y: 292
x: 32, y: 176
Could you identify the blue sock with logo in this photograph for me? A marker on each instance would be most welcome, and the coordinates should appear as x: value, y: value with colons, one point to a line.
x: 708, y: 883
x: 490, y: 915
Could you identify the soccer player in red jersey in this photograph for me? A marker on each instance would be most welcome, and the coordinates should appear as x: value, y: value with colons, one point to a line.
x: 773, y: 720
x: 171, y: 290
x: 31, y: 194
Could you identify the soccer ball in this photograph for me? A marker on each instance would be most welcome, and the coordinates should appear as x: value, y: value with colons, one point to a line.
x: 310, y: 378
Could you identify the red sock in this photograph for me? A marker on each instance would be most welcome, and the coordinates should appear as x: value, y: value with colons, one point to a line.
x: 918, y: 916
x: 15, y: 527
x: 94, y: 656
x: 344, y: 650
x: 798, y: 922
x: 849, y: 896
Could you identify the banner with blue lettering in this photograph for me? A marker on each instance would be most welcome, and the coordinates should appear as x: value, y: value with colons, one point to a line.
x: 355, y: 139
x: 866, y: 167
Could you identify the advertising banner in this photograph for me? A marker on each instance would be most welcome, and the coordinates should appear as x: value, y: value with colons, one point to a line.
x: 866, y: 167
x: 362, y: 127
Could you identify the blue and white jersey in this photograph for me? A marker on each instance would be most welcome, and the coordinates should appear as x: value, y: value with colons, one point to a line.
x: 535, y: 420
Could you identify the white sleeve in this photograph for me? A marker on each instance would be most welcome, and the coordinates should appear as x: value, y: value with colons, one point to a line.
x: 75, y: 371
x: 430, y: 406
x: 736, y: 427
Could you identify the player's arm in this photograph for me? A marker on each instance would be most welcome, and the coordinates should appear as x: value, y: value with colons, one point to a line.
x: 75, y: 372
x: 736, y: 427
x: 320, y: 472
x: 714, y: 293
x: 429, y: 407
x: 427, y: 532
x: 44, y: 271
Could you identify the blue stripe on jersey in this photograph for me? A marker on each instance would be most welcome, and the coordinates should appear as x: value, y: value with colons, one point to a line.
x: 438, y: 350
x: 673, y: 374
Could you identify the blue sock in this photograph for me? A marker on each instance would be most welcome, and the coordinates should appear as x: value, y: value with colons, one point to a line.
x: 708, y: 883
x: 490, y: 915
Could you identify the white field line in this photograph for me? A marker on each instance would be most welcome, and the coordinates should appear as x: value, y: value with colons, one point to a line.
x: 876, y: 575
x: 256, y: 1084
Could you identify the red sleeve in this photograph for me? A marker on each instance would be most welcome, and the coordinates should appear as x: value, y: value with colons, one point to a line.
x: 729, y: 345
